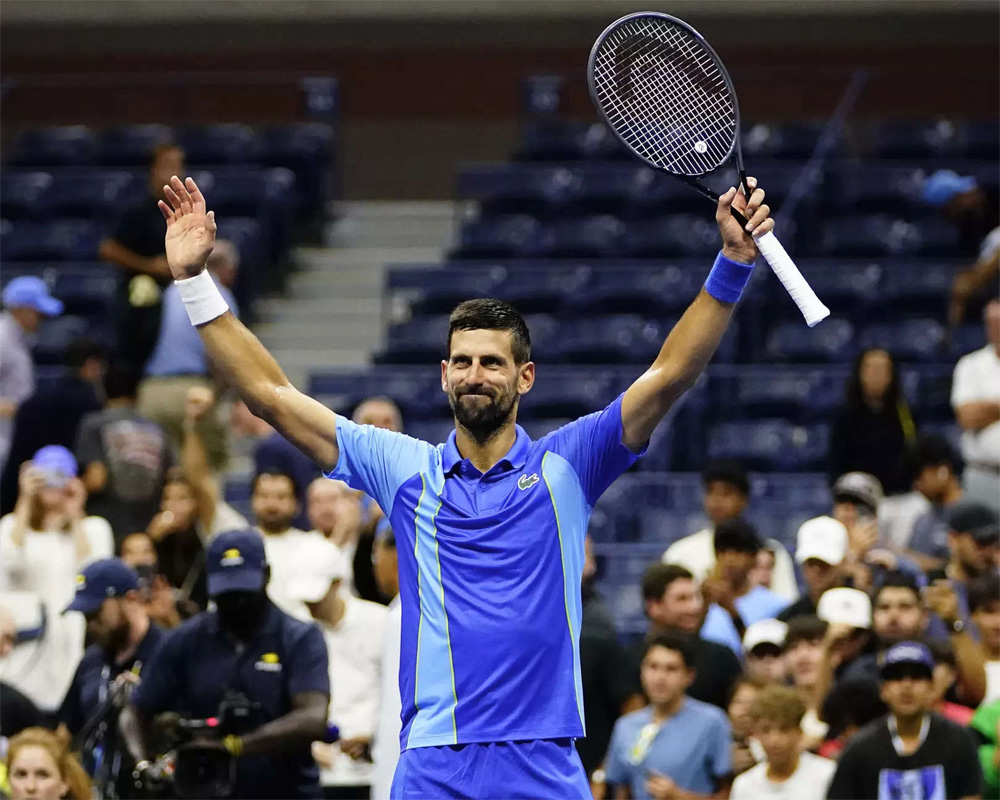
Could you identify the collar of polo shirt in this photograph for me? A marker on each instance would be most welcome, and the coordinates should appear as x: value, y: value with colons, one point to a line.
x: 515, y: 458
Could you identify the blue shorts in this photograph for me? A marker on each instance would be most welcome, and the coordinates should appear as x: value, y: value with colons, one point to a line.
x: 544, y: 769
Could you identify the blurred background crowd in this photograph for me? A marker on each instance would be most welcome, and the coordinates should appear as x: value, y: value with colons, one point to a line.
x: 794, y: 594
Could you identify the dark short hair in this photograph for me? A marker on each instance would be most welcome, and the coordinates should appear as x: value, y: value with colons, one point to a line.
x: 897, y: 579
x: 984, y: 592
x: 671, y: 641
x: 659, y: 576
x: 120, y: 382
x: 852, y: 703
x: 80, y: 350
x: 274, y: 473
x: 731, y: 472
x: 805, y: 628
x: 934, y: 450
x: 492, y: 315
x: 736, y: 534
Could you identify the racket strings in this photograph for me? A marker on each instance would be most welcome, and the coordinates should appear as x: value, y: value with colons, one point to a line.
x: 666, y: 96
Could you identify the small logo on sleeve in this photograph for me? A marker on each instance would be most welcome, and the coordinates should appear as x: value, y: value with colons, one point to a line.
x: 527, y: 481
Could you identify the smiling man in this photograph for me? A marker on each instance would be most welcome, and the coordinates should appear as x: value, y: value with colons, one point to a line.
x: 492, y: 523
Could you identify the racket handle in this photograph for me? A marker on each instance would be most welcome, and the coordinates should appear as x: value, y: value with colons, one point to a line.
x: 805, y: 298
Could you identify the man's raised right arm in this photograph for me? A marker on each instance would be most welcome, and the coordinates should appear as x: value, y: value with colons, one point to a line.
x: 237, y: 355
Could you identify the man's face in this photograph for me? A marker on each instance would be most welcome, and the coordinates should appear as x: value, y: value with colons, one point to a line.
x: 138, y: 550
x: 932, y: 482
x: 762, y: 573
x: 108, y: 627
x: 908, y: 694
x: 723, y: 501
x: 381, y: 414
x: 766, y: 665
x: 665, y: 676
x: 30, y: 319
x: 482, y: 381
x: 680, y: 607
x: 802, y: 660
x: 975, y: 558
x: 898, y: 615
x: 179, y: 500
x: 734, y: 565
x: 780, y: 743
x: 273, y: 503
x: 819, y: 576
x: 331, y: 504
x: 167, y: 164
x: 987, y: 620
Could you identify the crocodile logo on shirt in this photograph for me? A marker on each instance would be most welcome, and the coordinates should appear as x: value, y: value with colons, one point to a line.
x: 527, y: 481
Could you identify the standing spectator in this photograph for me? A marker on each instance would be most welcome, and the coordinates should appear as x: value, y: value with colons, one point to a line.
x: 40, y: 765
x: 52, y: 415
x: 676, y: 746
x: 139, y: 552
x: 385, y: 750
x: 984, y: 610
x: 727, y: 495
x: 937, y: 479
x: 803, y: 663
x: 136, y: 246
x: 975, y: 396
x: 354, y: 631
x: 820, y: 549
x: 27, y: 300
x: 745, y: 752
x: 788, y: 773
x: 334, y: 510
x: 764, y: 650
x: 735, y: 604
x: 125, y: 458
x: 674, y: 605
x: 43, y: 545
x: 912, y: 752
x: 178, y: 363
x: 873, y: 428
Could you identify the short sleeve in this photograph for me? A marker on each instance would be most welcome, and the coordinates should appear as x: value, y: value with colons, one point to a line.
x: 965, y: 767
x: 309, y: 668
x: 844, y: 783
x: 593, y: 447
x: 88, y: 441
x: 615, y: 768
x: 377, y: 461
x: 964, y: 386
x: 719, y: 757
x: 158, y: 689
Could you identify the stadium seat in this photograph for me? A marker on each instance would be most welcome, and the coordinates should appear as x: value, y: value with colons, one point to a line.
x: 685, y: 235
x: 518, y: 188
x: 770, y: 444
x: 543, y: 290
x: 918, y: 140
x: 308, y: 150
x: 57, y: 334
x: 908, y: 340
x: 249, y: 238
x: 570, y: 393
x: 981, y: 140
x: 833, y: 340
x: 95, y: 194
x: 562, y: 140
x: 612, y: 339
x: 884, y: 235
x: 543, y: 426
x: 848, y: 288
x: 922, y: 289
x: 226, y: 143
x: 87, y: 290
x: 965, y: 339
x: 55, y: 145
x: 63, y: 240
x: 790, y: 141
x: 594, y: 236
x: 247, y: 191
x: 434, y: 432
x: 794, y: 393
x: 514, y: 235
x: 641, y: 290
x: 131, y: 145
x: 878, y: 188
x: 24, y: 194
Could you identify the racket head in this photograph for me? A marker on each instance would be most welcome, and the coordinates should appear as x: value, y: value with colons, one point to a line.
x: 689, y: 127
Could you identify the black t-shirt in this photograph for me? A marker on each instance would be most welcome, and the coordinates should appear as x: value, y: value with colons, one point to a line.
x: 946, y: 765
x: 802, y: 607
x: 716, y: 670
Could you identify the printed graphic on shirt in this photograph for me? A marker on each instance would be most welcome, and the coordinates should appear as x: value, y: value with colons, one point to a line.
x: 925, y: 783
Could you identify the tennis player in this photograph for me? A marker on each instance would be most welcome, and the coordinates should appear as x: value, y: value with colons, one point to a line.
x: 490, y: 525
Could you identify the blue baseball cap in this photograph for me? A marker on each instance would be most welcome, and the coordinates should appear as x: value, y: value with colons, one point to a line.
x: 109, y: 577
x: 57, y: 461
x: 32, y: 292
x: 943, y: 185
x: 906, y: 654
x: 235, y: 562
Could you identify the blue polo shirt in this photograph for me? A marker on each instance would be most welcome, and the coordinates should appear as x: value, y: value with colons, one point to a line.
x: 691, y: 747
x: 489, y: 571
x: 198, y: 662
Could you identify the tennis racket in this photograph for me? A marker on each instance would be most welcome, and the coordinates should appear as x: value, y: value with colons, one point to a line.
x: 666, y: 95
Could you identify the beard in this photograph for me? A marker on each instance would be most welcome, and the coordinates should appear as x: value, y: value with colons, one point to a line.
x: 483, y: 412
x: 275, y: 523
x: 115, y: 640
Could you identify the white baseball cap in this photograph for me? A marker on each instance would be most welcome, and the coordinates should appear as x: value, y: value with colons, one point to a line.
x: 319, y: 562
x: 764, y: 631
x: 845, y: 606
x: 821, y: 537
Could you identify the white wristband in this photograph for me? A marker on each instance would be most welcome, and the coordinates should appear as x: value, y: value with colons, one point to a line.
x: 202, y: 298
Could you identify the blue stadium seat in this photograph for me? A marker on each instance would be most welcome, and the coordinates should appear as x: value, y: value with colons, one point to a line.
x: 924, y: 140
x: 56, y: 335
x: 930, y: 400
x: 563, y: 140
x: 86, y: 290
x: 884, y: 235
x: 920, y: 289
x: 308, y: 150
x: 966, y: 338
x: 514, y: 235
x: 63, y: 240
x: 544, y: 290
x: 225, y: 143
x: 570, y: 393
x: 416, y: 341
x: 434, y: 432
x: 789, y: 141
x: 247, y: 191
x: 982, y: 140
x: 607, y: 188
x: 777, y: 492
x: 908, y: 340
x: 612, y: 339
x: 832, y: 340
x: 248, y: 237
x: 641, y: 290
x: 131, y: 145
x: 687, y: 235
x: 24, y: 194
x: 599, y: 235
x: 55, y: 145
x: 878, y: 188
x: 435, y: 290
x: 666, y: 527
x: 795, y: 394
x: 95, y: 194
x: 518, y: 188
x: 652, y: 193
x: 770, y: 444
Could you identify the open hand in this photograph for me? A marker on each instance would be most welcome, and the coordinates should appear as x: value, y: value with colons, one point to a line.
x: 738, y: 242
x: 190, y: 228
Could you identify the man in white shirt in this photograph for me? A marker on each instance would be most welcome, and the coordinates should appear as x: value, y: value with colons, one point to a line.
x: 727, y: 494
x: 788, y: 773
x: 354, y: 630
x: 975, y: 396
x: 385, y: 750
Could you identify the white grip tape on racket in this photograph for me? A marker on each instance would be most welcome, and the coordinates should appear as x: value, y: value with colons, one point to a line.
x: 805, y: 298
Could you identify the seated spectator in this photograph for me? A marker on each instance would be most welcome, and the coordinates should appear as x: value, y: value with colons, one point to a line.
x: 43, y: 545
x: 354, y: 631
x: 872, y: 430
x: 937, y: 479
x: 674, y: 605
x: 124, y: 457
x: 727, y: 495
x: 764, y: 650
x: 820, y: 550
x: 912, y: 752
x: 39, y: 765
x: 676, y: 744
x: 139, y: 552
x: 178, y: 363
x: 385, y: 750
x: 334, y: 510
x: 735, y: 604
x: 27, y: 301
x: 986, y: 726
x: 984, y: 610
x: 745, y: 751
x: 52, y: 414
x: 975, y: 397
x: 274, y: 453
x: 787, y: 772
x: 803, y: 663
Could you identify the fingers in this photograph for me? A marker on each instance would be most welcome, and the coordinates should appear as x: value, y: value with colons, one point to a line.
x: 197, y: 198
x: 167, y: 211
x: 187, y: 206
x: 725, y: 203
x: 756, y: 210
x: 173, y: 199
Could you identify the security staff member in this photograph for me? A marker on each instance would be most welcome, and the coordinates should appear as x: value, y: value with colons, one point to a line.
x: 245, y: 645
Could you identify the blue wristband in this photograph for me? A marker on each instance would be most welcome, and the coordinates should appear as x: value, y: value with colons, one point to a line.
x: 727, y: 279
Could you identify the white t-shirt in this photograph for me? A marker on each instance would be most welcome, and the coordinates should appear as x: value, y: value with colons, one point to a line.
x: 283, y: 552
x: 977, y: 378
x: 227, y: 518
x: 46, y: 567
x: 992, y: 681
x: 385, y: 750
x: 809, y: 782
x: 696, y: 553
x: 354, y: 646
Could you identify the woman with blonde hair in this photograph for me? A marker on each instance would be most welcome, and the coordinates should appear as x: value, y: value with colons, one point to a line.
x: 41, y: 767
